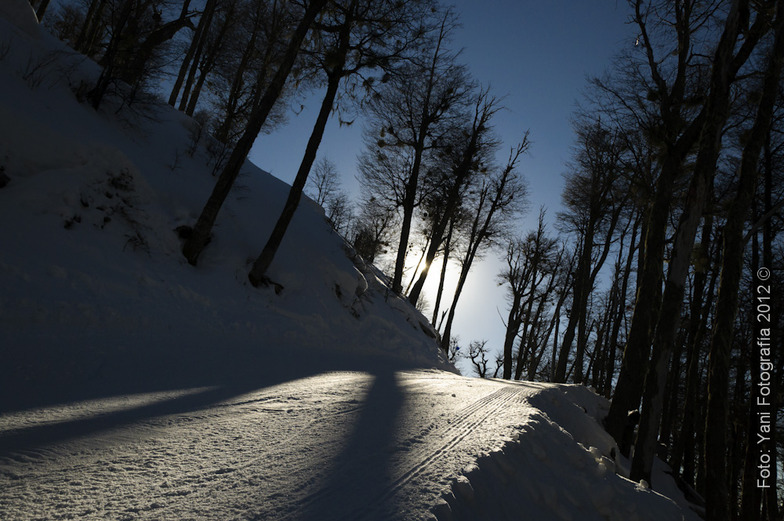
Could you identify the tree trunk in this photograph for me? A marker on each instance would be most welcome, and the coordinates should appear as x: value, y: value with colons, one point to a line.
x: 739, y: 435
x: 194, y: 68
x: 409, y: 202
x: 527, y: 326
x: 412, y: 183
x: 430, y: 255
x: 751, y: 498
x: 628, y: 389
x: 205, y: 70
x: 198, y: 35
x: 442, y: 278
x: 136, y: 69
x: 235, y: 92
x: 543, y: 304
x: 678, y: 137
x: 258, y: 273
x: 581, y: 274
x: 592, y: 371
x: 620, y: 315
x: 698, y: 310
x: 554, y: 349
x: 92, y: 21
x: 694, y: 410
x: 462, y: 173
x: 727, y: 305
x: 464, y: 269
x: 480, y: 227
x: 585, y: 276
x: 422, y: 257
x: 41, y: 11
x: 107, y: 73
x: 582, y: 340
x: 717, y: 110
x: 201, y: 231
x: 602, y: 344
x: 512, y: 327
x: 672, y: 394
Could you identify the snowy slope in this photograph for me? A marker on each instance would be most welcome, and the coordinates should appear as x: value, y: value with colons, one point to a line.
x: 134, y: 386
x: 92, y: 262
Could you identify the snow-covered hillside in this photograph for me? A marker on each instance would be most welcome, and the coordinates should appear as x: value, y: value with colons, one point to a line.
x: 135, y: 386
x: 91, y: 267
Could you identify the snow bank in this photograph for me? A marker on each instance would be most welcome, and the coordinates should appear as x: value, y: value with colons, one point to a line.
x: 560, y: 465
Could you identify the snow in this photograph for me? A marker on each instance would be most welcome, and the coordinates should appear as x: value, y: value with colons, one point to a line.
x: 135, y: 386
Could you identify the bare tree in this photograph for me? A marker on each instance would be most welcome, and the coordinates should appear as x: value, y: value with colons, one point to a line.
x: 538, y: 325
x: 244, y: 71
x: 373, y: 227
x: 594, y: 199
x: 137, y: 33
x: 410, y: 117
x: 498, y: 200
x: 200, y: 234
x: 323, y: 187
x: 197, y: 39
x: 477, y: 353
x: 361, y: 36
x: 673, y: 75
x: 211, y: 49
x: 473, y: 144
x: 529, y: 263
x: 725, y: 65
x: 732, y: 263
x: 324, y: 184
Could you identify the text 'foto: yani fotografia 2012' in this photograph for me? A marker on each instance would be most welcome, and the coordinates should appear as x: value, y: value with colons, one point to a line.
x: 762, y: 311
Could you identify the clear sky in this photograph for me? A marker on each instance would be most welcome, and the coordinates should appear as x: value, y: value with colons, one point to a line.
x: 536, y: 54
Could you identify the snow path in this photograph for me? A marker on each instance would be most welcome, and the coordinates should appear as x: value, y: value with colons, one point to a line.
x: 298, y: 450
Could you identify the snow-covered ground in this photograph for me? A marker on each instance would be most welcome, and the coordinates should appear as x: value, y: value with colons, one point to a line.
x: 134, y: 386
x: 375, y: 444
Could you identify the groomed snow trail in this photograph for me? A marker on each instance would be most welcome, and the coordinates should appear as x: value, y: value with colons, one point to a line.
x: 345, y: 445
x: 380, y: 444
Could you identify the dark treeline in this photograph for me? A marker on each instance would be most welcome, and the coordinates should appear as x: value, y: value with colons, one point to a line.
x: 645, y: 287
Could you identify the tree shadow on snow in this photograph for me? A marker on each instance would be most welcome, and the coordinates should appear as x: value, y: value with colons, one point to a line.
x: 360, y: 481
x: 199, y: 381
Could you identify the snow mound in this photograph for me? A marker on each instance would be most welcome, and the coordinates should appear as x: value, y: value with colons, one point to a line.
x: 560, y: 465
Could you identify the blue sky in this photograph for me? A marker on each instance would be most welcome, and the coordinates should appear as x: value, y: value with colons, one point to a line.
x: 536, y: 54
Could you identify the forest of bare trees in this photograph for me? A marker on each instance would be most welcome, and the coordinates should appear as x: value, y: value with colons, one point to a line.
x: 655, y: 281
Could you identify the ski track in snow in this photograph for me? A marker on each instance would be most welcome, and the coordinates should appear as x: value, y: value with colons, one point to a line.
x: 268, y: 454
x: 425, y: 455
